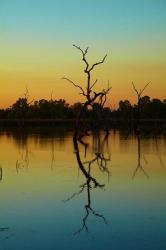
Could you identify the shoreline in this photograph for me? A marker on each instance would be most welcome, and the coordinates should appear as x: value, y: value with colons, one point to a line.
x: 114, y: 122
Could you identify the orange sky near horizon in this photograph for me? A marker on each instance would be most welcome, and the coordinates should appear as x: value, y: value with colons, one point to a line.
x: 41, y: 84
x: 36, y: 48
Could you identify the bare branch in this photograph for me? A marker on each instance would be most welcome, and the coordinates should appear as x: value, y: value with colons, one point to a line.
x: 31, y: 102
x: 98, y: 215
x: 144, y: 88
x: 83, y: 52
x: 51, y: 95
x: 139, y: 167
x: 26, y: 94
x: 95, y: 64
x: 83, y: 56
x: 135, y: 88
x: 77, y: 193
x: 94, y: 84
x: 76, y: 85
x: 139, y: 93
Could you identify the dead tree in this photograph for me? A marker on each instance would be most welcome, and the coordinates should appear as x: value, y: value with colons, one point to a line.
x: 139, y: 95
x: 26, y: 97
x: 89, y: 93
x: 23, y: 104
x: 82, y: 128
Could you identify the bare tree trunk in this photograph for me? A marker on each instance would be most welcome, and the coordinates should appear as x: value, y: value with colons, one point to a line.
x: 88, y: 92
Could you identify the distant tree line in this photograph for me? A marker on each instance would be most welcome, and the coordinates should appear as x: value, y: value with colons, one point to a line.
x: 60, y: 109
x: 148, y: 108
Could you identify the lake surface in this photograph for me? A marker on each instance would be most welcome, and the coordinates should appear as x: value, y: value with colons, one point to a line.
x: 47, y: 202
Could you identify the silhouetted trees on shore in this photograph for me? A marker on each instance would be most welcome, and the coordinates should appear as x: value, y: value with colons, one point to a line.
x: 60, y: 109
x: 148, y: 109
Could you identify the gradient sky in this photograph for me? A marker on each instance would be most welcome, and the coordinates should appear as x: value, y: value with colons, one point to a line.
x: 36, y: 38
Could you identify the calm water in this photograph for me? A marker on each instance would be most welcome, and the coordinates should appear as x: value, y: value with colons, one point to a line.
x: 47, y: 202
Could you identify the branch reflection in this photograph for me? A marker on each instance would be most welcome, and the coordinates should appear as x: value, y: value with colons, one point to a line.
x: 23, y: 160
x: 140, y: 156
x: 1, y: 173
x: 91, y: 182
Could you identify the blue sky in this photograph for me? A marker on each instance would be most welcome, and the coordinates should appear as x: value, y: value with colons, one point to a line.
x: 85, y: 19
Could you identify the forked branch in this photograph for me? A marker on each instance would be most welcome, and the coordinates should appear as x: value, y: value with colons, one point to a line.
x: 139, y: 93
x: 100, y: 62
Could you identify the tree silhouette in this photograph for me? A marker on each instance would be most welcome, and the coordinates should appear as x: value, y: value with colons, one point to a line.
x: 139, y: 94
x: 91, y: 96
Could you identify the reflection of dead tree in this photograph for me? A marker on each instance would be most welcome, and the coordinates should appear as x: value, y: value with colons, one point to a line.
x: 2, y: 229
x: 23, y: 162
x: 139, y: 165
x: 88, y: 92
x: 139, y: 95
x: 88, y: 207
x: 1, y: 173
x: 91, y: 182
x: 52, y: 153
x: 158, y: 153
x: 82, y: 187
x: 101, y: 162
x: 100, y: 157
x: 3, y: 235
x: 85, y: 146
x: 82, y: 167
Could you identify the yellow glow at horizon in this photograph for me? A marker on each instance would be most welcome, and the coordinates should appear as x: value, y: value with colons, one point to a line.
x: 41, y: 69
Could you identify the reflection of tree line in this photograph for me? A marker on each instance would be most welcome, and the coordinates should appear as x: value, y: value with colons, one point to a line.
x: 22, y: 141
x: 23, y: 160
x: 141, y: 157
x: 99, y: 160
